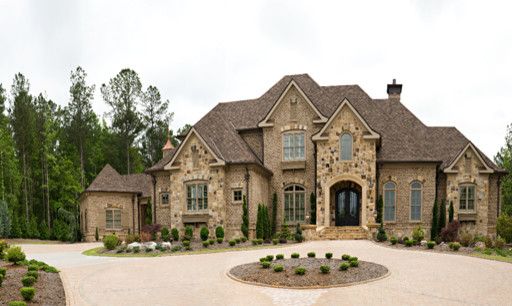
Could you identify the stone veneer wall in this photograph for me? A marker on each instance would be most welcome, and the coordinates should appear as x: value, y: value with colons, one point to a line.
x: 403, y: 174
x: 288, y: 116
x: 163, y: 184
x: 92, y: 210
x: 494, y: 198
x: 331, y: 170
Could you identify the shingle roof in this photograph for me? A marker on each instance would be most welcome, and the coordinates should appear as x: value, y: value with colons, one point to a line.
x: 109, y: 180
x: 403, y: 136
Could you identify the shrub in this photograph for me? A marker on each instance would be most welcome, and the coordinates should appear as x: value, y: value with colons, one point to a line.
x: 415, y: 242
x: 14, y: 254
x: 28, y: 281
x: 431, y: 244
x: 27, y: 293
x: 97, y: 235
x: 300, y: 270
x: 165, y: 234
x: 219, y: 232
x: 245, y: 217
x: 136, y: 249
x: 298, y: 234
x: 3, y: 271
x: 487, y: 252
x: 232, y: 242
x: 450, y: 212
x: 110, y: 242
x: 32, y: 268
x: 50, y: 269
x: 311, y: 254
x: 243, y: 239
x: 328, y: 255
x: 393, y: 240
x: 295, y: 255
x: 435, y: 222
x: 260, y: 241
x: 381, y: 234
x: 3, y: 247
x: 175, y: 234
x: 504, y: 227
x: 206, y: 244
x: 254, y: 242
x: 270, y: 257
x: 211, y: 242
x: 238, y: 240
x: 466, y: 239
x: 409, y: 243
x: 499, y: 243
x: 262, y: 259
x: 2, y: 277
x: 265, y: 264
x: 275, y: 241
x: 278, y: 268
x: 344, y: 266
x: 345, y: 257
x: 220, y: 240
x: 354, y: 263
x: 176, y: 248
x: 17, y: 303
x: 450, y: 232
x: 186, y: 243
x: 131, y: 238
x: 204, y: 233
x: 189, y: 233
x: 324, y: 269
x: 279, y: 256
x: 418, y: 233
x: 353, y: 258
x: 34, y: 274
x: 488, y: 242
x: 454, y: 246
x: 148, y: 250
x: 403, y: 239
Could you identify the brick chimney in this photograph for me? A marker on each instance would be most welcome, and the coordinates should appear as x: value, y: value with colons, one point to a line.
x: 394, y: 91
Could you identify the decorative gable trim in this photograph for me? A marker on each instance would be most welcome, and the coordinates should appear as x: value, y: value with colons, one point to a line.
x: 373, y: 134
x: 219, y: 161
x: 265, y: 123
x: 450, y: 169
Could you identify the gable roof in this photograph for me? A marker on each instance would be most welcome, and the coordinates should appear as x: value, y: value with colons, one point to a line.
x: 109, y: 180
x: 403, y: 137
x: 469, y: 146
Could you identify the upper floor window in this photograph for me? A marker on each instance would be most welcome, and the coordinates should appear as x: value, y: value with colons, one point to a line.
x: 237, y: 195
x: 113, y: 219
x: 197, y: 196
x: 346, y: 146
x: 164, y: 198
x: 293, y: 146
x: 416, y: 201
x: 389, y: 201
x: 294, y: 208
x: 467, y: 197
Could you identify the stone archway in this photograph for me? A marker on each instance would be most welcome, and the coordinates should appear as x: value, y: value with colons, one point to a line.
x: 345, y: 204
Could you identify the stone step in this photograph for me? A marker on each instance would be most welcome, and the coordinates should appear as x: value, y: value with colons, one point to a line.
x: 343, y: 233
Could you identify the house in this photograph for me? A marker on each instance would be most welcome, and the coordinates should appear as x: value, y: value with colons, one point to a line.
x: 303, y: 141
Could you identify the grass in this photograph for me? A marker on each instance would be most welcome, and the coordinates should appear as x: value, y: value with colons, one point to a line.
x: 19, y: 241
x: 98, y: 251
x: 492, y: 257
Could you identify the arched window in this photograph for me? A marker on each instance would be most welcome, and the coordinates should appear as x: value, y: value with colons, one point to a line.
x: 346, y: 146
x: 389, y: 201
x: 416, y: 201
x: 294, y: 208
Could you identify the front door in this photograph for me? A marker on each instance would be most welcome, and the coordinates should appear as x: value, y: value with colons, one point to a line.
x: 347, y: 207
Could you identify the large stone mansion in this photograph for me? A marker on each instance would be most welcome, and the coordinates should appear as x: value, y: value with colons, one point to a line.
x: 299, y: 139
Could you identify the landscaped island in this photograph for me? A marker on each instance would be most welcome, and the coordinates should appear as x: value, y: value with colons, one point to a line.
x: 308, y: 272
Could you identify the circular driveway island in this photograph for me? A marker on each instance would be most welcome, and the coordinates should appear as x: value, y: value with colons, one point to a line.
x: 417, y: 278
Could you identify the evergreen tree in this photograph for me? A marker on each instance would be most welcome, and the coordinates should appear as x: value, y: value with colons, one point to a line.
x: 274, y: 214
x: 15, y: 227
x: 442, y: 216
x: 5, y: 220
x: 245, y: 218
x: 312, y: 205
x: 504, y: 160
x: 33, y: 231
x: 380, y: 206
x: 450, y: 212
x: 259, y: 223
x: 267, y: 227
x: 435, y: 222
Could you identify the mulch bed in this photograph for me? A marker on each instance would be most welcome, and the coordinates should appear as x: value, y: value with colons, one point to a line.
x: 437, y: 248
x: 254, y: 273
x: 49, y: 289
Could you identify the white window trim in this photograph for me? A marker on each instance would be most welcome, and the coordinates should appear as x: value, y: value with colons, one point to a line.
x: 114, y: 228
x: 293, y: 132
x: 466, y: 210
x: 351, y: 147
x: 384, y: 189
x: 196, y: 184
x: 410, y: 201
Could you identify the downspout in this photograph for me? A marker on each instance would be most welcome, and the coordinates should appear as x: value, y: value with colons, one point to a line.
x: 153, y: 203
x: 315, y: 183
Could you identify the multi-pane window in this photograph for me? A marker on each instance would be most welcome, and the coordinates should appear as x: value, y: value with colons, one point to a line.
x: 346, y: 147
x: 237, y: 195
x: 416, y: 201
x: 197, y: 196
x: 467, y: 197
x: 294, y: 208
x: 113, y: 219
x: 389, y: 201
x: 164, y: 198
x: 293, y: 146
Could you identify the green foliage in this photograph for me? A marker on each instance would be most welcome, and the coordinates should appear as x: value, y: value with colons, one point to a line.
x: 245, y: 218
x: 219, y: 232
x: 3, y: 271
x: 431, y: 244
x: 28, y: 293
x: 238, y: 240
x: 33, y: 231
x: 265, y: 264
x: 504, y: 160
x: 298, y: 233
x: 186, y: 243
x: 211, y: 242
x: 165, y: 234
x: 328, y: 255
x: 278, y: 268
x: 499, y: 243
x: 34, y: 274
x: 206, y: 243
x: 311, y: 254
x: 136, y: 249
x: 189, y: 233
x: 14, y: 254
x: 345, y: 257
x: 381, y: 234
x: 232, y: 242
x: 393, y: 240
x: 263, y: 227
x: 2, y: 277
x: 44, y: 231
x: 380, y: 206
x: 285, y: 233
x: 450, y: 212
x: 204, y: 233
x: 275, y: 241
x: 418, y: 233
x: 300, y: 270
x: 435, y: 224
x: 17, y: 303
x: 110, y: 242
x: 455, y: 246
x: 50, y: 269
x: 409, y: 243
x: 269, y: 257
x: 504, y: 227
x: 295, y: 255
x: 442, y: 217
x: 262, y: 259
x: 220, y: 240
x: 5, y: 219
x: 274, y: 214
x: 28, y: 281
x: 279, y: 256
x: 353, y: 258
x: 175, y: 234
x: 354, y: 263
x: 32, y: 268
x: 344, y: 266
x: 325, y: 269
x: 312, y: 206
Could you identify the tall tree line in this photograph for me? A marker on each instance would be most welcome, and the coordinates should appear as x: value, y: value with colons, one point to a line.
x: 50, y: 153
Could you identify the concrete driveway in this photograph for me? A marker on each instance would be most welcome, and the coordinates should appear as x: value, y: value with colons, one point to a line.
x: 417, y: 278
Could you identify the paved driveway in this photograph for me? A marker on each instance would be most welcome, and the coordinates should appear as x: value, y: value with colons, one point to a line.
x: 417, y: 278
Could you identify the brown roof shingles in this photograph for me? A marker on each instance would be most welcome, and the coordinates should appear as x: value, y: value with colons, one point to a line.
x: 109, y: 180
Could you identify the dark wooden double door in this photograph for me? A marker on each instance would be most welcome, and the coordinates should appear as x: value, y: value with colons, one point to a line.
x: 348, y: 204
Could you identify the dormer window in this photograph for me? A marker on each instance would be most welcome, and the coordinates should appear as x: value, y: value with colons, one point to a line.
x: 346, y: 146
x: 293, y: 146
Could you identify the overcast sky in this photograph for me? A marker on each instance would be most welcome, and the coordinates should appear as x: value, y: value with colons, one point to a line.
x: 454, y: 58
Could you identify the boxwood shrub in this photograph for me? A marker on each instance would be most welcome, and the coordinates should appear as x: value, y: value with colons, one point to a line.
x: 279, y: 256
x: 265, y: 264
x: 328, y: 255
x: 211, y: 242
x: 354, y: 263
x: 34, y: 274
x: 3, y: 271
x: 300, y: 270
x: 32, y: 268
x: 110, y: 242
x: 344, y: 266
x: 254, y: 242
x: 353, y: 258
x: 275, y: 241
x: 238, y: 240
x: 220, y: 240
x: 311, y: 254
x: 270, y: 257
x: 345, y: 257
x: 431, y: 244
x: 232, y: 242
x: 408, y: 243
x: 393, y: 240
x: 295, y: 255
x: 1, y: 279
x: 17, y: 303
x: 324, y: 269
x: 15, y: 255
x: 206, y: 244
x: 175, y: 234
x: 278, y: 268
x: 28, y: 281
x: 28, y: 293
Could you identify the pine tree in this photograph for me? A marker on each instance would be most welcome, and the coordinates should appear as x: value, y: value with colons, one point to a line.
x: 312, y: 203
x: 245, y: 218
x: 450, y: 212
x: 5, y: 220
x: 259, y: 223
x: 15, y: 227
x: 380, y: 205
x: 274, y: 214
x: 267, y: 227
x: 435, y: 222
x: 442, y: 217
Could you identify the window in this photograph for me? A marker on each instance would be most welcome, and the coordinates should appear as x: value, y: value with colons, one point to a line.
x: 389, y: 201
x: 164, y: 198
x: 294, y: 203
x: 416, y: 201
x: 467, y: 197
x: 346, y: 146
x: 237, y: 195
x: 197, y: 196
x: 293, y: 146
x: 113, y: 218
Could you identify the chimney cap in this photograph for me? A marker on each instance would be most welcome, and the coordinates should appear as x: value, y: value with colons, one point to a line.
x: 394, y: 88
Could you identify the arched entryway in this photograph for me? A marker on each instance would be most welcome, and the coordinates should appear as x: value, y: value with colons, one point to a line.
x: 346, y: 204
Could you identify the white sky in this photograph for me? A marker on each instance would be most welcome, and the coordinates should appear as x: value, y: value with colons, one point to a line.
x: 453, y: 57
